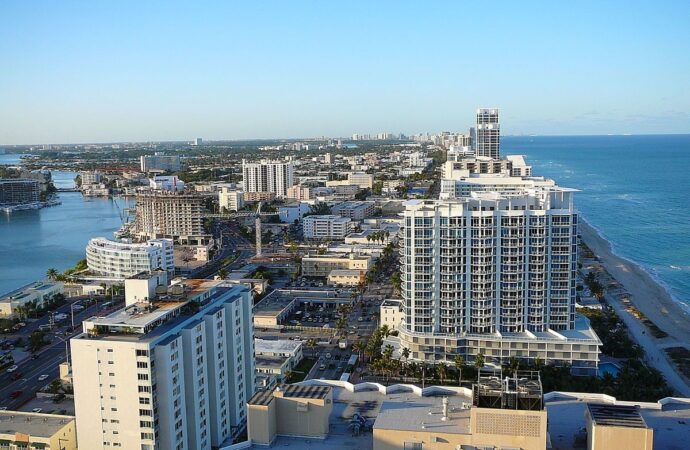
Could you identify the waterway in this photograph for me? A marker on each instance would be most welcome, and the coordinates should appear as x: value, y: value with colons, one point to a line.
x: 33, y: 241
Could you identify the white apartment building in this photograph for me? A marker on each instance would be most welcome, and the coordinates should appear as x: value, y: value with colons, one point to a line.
x: 159, y: 162
x: 268, y: 176
x: 494, y: 274
x: 326, y: 227
x: 488, y: 133
x: 89, y: 178
x: 355, y: 210
x: 121, y: 259
x: 230, y: 199
x: 38, y: 292
x: 167, y: 183
x: 174, y: 215
x: 174, y: 372
x: 391, y: 313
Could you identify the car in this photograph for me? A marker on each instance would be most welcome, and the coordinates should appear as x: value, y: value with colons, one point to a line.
x: 77, y: 307
x: 35, y: 356
x: 13, y: 368
x: 328, y: 356
x: 322, y: 367
x: 3, y: 408
x: 37, y: 410
x: 360, y: 319
x: 43, y: 377
x: 16, y: 394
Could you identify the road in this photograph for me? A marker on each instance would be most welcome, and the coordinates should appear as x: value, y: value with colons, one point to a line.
x: 49, y: 357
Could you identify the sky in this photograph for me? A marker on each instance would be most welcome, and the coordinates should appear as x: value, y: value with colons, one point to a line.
x: 92, y: 71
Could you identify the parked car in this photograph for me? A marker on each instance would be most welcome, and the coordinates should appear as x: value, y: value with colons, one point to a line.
x: 13, y: 368
x: 37, y: 410
x: 43, y: 377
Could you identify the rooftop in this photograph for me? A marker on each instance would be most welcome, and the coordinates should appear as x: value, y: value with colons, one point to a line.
x: 263, y: 398
x: 616, y: 415
x: 33, y: 424
x: 29, y: 288
x: 276, y: 345
x: 668, y: 417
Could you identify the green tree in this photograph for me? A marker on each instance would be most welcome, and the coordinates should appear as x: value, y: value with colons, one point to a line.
x: 459, y: 362
x: 52, y: 274
x: 222, y: 274
x: 479, y: 361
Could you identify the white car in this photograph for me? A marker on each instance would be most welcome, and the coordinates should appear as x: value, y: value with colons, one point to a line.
x: 37, y: 410
x: 43, y: 377
x: 13, y: 368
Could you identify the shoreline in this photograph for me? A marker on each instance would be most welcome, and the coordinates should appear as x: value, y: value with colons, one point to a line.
x: 646, y: 294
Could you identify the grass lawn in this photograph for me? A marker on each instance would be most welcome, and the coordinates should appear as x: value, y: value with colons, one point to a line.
x: 302, y: 369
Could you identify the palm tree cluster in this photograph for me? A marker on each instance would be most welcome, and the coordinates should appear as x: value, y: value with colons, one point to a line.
x: 378, y: 236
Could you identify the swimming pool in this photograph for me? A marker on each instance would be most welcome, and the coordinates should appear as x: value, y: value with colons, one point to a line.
x: 608, y: 367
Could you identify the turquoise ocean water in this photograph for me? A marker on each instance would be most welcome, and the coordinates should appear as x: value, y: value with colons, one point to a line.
x: 635, y: 191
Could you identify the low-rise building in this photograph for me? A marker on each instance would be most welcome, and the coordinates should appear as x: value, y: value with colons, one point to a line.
x: 326, y: 227
x: 27, y: 430
x: 167, y: 183
x: 391, y: 313
x: 355, y: 210
x: 322, y: 265
x: 259, y: 196
x: 299, y: 192
x: 37, y: 292
x: 291, y: 212
x: 275, y: 358
x: 230, y: 199
x: 346, y: 277
x: 121, y: 259
x: 361, y: 179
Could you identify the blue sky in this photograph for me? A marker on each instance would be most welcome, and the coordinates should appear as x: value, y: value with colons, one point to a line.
x: 97, y: 71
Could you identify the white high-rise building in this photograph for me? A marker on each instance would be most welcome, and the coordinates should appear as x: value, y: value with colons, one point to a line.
x: 488, y: 133
x: 171, y: 372
x: 268, y: 176
x: 159, y: 162
x: 120, y: 259
x: 495, y: 275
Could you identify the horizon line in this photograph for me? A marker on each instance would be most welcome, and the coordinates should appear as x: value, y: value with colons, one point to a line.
x: 327, y: 138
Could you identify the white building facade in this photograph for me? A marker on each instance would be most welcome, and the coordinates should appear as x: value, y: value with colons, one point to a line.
x: 488, y: 133
x: 482, y: 272
x: 121, y: 259
x: 230, y: 199
x: 326, y: 227
x: 268, y: 176
x: 174, y: 373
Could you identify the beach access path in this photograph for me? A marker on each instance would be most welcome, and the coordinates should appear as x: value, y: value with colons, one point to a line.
x: 650, y: 298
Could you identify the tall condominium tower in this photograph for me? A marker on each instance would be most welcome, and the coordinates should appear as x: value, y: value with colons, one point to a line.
x: 268, y: 176
x: 488, y: 133
x: 172, y: 370
x: 494, y: 274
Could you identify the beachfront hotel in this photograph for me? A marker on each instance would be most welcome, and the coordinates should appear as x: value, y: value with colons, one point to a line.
x: 118, y: 260
x: 183, y: 354
x: 490, y: 269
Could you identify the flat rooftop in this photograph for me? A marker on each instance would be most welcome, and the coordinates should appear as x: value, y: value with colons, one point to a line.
x: 263, y: 398
x: 276, y: 345
x: 36, y: 425
x: 669, y: 418
x: 28, y: 289
x: 274, y: 303
x: 370, y: 404
x: 269, y: 362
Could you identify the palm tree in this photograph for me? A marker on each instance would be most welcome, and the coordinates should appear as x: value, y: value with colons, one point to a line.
x: 442, y: 371
x: 384, y: 331
x: 459, y: 363
x: 359, y: 347
x: 406, y: 353
x: 52, y: 274
x: 479, y: 361
x: 222, y: 274
x: 341, y: 324
x: 513, y: 365
x: 288, y: 376
x: 311, y: 343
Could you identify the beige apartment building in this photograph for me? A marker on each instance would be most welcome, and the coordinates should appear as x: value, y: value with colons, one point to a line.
x: 322, y: 265
x: 173, y: 215
x: 32, y: 431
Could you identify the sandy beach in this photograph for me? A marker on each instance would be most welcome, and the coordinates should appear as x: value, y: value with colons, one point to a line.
x: 645, y: 293
x: 649, y: 297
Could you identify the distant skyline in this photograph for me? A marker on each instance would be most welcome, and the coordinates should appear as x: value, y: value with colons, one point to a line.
x: 87, y: 72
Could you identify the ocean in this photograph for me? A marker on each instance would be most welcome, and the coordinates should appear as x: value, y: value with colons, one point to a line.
x: 635, y: 190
